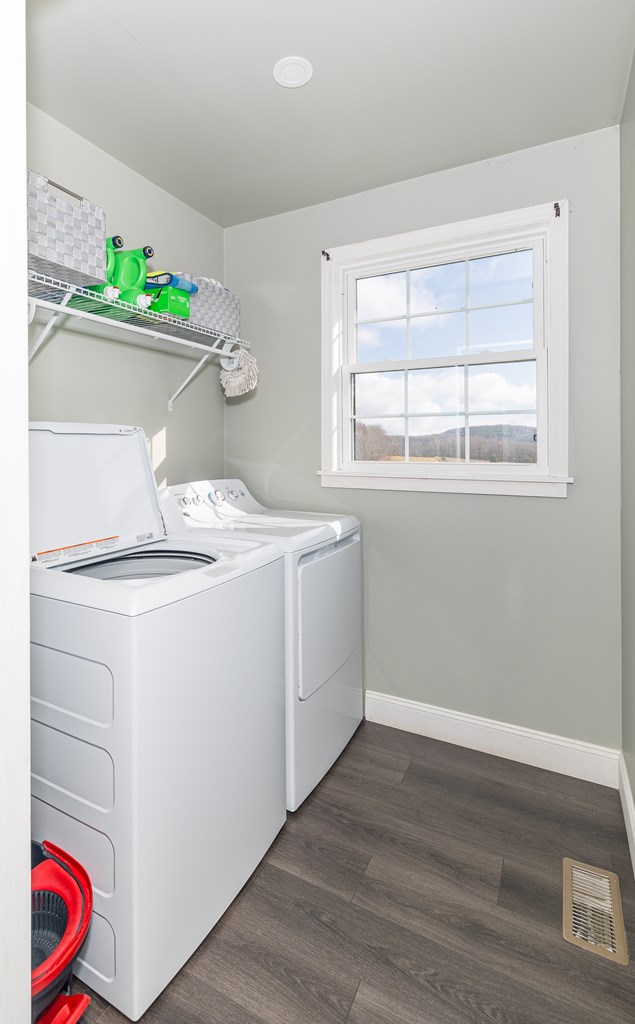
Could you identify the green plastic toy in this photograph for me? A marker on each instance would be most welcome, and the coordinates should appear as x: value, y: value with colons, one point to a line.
x: 129, y: 271
x: 125, y: 276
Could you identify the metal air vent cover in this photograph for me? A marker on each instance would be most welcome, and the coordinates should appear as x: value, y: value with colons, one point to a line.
x: 592, y: 910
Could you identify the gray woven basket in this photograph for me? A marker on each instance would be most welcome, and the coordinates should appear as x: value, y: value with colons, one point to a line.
x: 66, y: 236
x: 213, y: 306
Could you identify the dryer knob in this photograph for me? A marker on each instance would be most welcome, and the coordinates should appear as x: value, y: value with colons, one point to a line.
x: 216, y: 497
x: 198, y: 499
x: 184, y: 502
x: 232, y: 494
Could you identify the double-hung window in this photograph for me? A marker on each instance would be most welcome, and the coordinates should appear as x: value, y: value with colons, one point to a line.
x: 445, y: 358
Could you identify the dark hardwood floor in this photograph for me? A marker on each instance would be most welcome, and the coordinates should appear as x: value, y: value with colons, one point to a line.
x: 419, y: 884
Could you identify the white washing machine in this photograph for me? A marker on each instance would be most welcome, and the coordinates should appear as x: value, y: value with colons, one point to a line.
x: 157, y: 705
x: 323, y: 614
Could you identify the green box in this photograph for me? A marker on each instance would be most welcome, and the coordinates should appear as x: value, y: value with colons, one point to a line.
x: 173, y: 301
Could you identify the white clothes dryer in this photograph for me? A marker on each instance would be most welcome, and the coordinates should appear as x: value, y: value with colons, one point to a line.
x: 157, y: 705
x: 323, y: 614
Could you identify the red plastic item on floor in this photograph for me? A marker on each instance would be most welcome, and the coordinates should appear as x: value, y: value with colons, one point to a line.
x: 65, y: 1010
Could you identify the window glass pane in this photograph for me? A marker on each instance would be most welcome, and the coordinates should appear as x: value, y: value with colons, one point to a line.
x: 376, y: 342
x: 379, y: 394
x: 442, y: 334
x: 503, y: 438
x: 436, y: 438
x: 436, y: 391
x: 379, y: 440
x: 437, y: 288
x: 502, y: 387
x: 504, y: 278
x: 508, y: 327
x: 380, y: 297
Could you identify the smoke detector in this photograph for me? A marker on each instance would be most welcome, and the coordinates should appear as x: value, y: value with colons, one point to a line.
x: 292, y: 72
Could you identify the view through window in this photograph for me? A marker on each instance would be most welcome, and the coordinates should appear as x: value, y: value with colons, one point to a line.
x: 460, y: 337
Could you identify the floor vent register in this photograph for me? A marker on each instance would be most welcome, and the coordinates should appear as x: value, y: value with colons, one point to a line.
x: 592, y: 910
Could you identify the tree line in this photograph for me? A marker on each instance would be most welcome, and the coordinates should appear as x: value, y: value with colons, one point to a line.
x: 497, y: 442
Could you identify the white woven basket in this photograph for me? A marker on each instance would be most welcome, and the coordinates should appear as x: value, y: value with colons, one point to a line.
x: 66, y: 234
x: 214, y: 306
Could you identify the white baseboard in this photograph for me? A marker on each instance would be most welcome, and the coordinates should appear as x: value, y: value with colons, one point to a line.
x: 542, y: 749
x: 628, y: 807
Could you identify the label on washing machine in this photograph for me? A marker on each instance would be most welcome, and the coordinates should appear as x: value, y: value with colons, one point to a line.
x: 82, y: 550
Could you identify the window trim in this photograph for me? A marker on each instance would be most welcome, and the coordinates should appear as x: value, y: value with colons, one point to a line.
x: 546, y: 225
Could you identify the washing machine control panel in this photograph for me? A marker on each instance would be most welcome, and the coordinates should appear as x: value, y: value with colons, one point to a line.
x: 216, y: 503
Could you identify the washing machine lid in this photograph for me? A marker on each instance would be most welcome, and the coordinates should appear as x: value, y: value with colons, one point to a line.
x: 92, y: 491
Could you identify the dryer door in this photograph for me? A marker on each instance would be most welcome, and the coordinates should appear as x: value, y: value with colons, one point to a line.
x: 330, y: 612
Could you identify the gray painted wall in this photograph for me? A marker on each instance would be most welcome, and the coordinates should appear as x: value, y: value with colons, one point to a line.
x: 80, y: 378
x: 502, y: 607
x: 627, y: 138
x: 497, y: 606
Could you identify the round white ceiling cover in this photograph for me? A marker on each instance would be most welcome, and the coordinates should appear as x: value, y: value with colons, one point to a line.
x: 292, y: 72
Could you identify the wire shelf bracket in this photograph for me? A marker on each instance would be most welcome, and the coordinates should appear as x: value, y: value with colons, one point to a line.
x: 190, y: 376
x: 58, y: 316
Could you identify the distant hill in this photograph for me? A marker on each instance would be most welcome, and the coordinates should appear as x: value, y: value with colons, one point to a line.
x: 492, y: 443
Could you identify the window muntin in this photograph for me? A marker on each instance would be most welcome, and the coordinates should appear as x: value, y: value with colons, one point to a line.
x: 475, y: 305
x: 484, y: 302
x: 483, y: 413
x: 465, y: 413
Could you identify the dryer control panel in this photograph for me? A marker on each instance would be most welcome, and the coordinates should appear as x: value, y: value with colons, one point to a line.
x: 228, y: 505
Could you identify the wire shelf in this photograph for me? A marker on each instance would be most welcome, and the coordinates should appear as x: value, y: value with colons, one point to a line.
x: 75, y: 298
x: 60, y: 299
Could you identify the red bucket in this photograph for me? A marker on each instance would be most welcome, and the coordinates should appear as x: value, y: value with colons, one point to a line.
x: 61, y: 907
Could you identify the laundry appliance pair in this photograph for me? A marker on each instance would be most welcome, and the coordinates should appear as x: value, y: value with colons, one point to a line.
x: 158, y: 749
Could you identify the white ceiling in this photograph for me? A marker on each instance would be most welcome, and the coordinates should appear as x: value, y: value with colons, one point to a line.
x: 184, y: 93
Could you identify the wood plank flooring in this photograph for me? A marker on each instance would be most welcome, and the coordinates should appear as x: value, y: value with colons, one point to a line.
x: 419, y: 884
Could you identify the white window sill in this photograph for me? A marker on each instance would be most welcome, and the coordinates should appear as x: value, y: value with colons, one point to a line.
x: 517, y: 484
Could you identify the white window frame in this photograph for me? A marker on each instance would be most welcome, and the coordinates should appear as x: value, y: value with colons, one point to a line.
x: 542, y: 228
